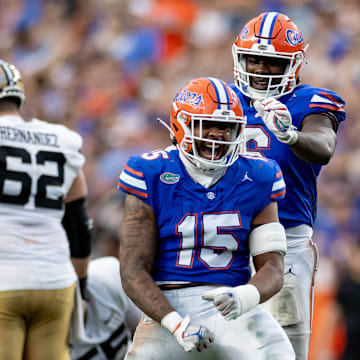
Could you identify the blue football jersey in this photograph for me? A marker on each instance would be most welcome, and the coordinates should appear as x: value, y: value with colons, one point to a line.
x: 203, y: 232
x: 299, y: 205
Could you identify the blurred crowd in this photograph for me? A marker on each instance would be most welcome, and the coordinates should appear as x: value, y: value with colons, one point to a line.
x: 110, y: 68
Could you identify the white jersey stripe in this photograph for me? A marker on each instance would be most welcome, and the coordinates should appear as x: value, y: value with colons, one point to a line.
x: 130, y: 180
x: 278, y: 184
x: 319, y: 99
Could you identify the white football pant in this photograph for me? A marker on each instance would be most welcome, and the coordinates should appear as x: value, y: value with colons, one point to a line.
x: 293, y: 305
x: 255, y: 335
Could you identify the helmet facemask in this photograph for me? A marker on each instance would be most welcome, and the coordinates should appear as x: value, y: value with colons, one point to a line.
x: 207, y: 123
x: 220, y: 153
x: 275, y: 88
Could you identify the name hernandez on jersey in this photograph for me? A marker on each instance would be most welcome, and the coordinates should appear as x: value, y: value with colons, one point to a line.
x: 38, y: 164
x: 203, y: 232
x: 300, y: 204
x: 40, y: 161
x: 28, y: 136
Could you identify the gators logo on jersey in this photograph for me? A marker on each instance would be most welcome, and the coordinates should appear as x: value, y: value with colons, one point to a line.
x: 169, y: 178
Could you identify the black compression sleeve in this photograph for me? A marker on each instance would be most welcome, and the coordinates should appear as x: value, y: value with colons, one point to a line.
x: 77, y: 225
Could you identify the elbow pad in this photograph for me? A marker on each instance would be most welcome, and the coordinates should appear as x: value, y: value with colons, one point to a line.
x: 78, y: 227
x: 268, y: 238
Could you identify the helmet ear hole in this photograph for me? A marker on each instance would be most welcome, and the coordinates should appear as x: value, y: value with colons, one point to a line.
x: 183, y: 118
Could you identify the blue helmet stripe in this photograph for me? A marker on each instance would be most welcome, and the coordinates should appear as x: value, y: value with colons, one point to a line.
x: 272, y: 26
x: 222, y: 95
x: 262, y: 27
x: 267, y: 27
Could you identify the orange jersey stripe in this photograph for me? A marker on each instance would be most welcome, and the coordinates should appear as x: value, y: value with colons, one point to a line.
x: 279, y: 174
x: 274, y: 196
x: 132, y: 171
x: 330, y: 97
x: 329, y: 107
x: 140, y: 193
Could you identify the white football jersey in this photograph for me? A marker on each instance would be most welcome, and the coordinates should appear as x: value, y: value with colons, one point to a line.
x: 38, y: 163
x: 107, y: 331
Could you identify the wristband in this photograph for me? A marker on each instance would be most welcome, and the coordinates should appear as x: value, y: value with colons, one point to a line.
x: 289, y: 137
x: 82, y: 284
x: 249, y: 296
x: 171, y: 321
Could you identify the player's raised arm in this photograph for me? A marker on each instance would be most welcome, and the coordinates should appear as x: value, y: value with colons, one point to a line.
x: 138, y: 247
x: 317, y: 139
x: 137, y: 251
x: 314, y: 143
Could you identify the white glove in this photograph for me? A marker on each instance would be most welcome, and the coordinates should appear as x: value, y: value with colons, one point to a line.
x: 234, y: 301
x: 277, y: 119
x: 189, y: 336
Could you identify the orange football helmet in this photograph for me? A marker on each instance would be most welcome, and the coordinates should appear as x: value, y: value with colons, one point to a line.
x: 269, y: 34
x: 11, y: 84
x: 205, y: 100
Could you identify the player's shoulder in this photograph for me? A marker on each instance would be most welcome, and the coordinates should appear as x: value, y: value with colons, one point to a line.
x: 244, y: 100
x: 152, y: 162
x: 263, y: 169
x: 59, y: 128
x: 237, y: 91
x: 307, y: 89
x: 233, y: 86
x: 66, y: 136
x: 307, y: 99
x: 263, y: 172
x: 317, y: 96
x: 142, y: 172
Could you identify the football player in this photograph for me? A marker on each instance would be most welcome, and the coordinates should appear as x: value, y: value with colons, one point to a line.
x: 296, y: 125
x: 106, y: 319
x: 190, y: 224
x: 42, y: 209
